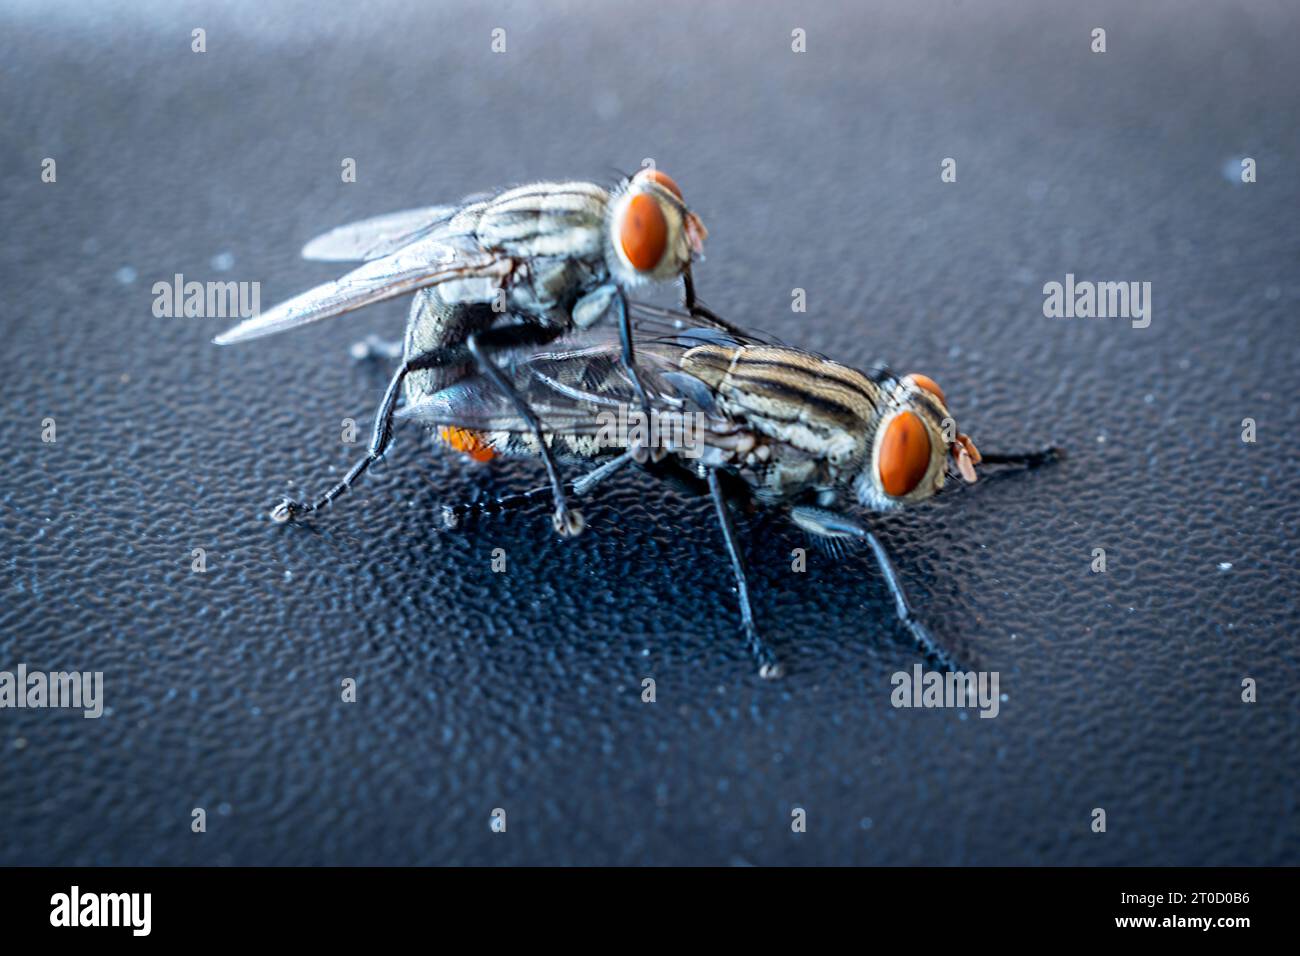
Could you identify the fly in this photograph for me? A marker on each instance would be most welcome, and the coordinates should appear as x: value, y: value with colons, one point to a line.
x: 550, y: 256
x: 785, y: 428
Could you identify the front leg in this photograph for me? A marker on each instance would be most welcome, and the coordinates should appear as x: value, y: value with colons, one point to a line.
x: 695, y: 308
x: 835, y: 526
x: 629, y: 351
x: 1030, y: 459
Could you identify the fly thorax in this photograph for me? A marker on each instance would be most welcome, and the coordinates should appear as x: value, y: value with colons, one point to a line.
x: 561, y: 220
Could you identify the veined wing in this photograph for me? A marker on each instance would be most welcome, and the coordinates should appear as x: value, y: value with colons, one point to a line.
x: 572, y: 380
x: 476, y: 405
x: 383, y: 235
x: 423, y: 263
x: 657, y: 326
x: 574, y: 386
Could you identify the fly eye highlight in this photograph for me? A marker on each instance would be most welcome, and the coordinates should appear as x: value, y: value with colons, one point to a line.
x: 928, y: 384
x: 644, y: 233
x: 651, y: 175
x: 904, y: 454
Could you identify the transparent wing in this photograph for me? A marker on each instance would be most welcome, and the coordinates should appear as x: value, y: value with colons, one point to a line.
x: 660, y: 327
x: 571, y: 386
x: 383, y: 235
x: 476, y: 405
x: 573, y: 380
x: 423, y: 263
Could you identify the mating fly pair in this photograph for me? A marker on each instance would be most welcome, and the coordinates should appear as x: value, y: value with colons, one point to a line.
x: 492, y: 273
x: 785, y: 428
x: 499, y: 277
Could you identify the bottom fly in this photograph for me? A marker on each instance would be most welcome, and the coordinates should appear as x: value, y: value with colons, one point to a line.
x: 735, y: 416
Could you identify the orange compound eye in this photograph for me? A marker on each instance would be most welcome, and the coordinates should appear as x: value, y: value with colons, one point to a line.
x: 904, y: 455
x: 651, y: 175
x: 644, y: 234
x: 464, y: 440
x: 927, y: 383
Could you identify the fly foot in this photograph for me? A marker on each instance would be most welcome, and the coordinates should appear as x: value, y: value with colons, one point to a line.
x: 569, y: 522
x: 771, y: 670
x: 286, y: 511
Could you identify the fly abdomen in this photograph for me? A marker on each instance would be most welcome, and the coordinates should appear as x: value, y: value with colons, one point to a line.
x: 436, y: 324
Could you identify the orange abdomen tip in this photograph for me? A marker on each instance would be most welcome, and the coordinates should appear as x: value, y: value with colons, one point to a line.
x: 469, y: 442
x: 904, y: 455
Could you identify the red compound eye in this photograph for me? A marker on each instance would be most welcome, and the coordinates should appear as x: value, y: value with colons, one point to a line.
x: 904, y: 455
x: 660, y: 177
x: 927, y: 383
x: 644, y: 233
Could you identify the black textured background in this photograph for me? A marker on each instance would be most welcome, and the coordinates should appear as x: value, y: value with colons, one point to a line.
x: 522, y: 690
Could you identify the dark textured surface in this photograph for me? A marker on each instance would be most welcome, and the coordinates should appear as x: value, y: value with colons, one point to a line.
x: 521, y: 690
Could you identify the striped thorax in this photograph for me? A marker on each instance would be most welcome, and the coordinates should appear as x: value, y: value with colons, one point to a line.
x: 822, y: 427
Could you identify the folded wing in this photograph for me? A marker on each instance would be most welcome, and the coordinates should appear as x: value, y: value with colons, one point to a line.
x: 574, y: 386
x: 414, y: 266
x: 383, y: 235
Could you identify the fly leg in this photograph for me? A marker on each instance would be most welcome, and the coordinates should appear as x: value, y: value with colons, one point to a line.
x: 629, y: 353
x: 629, y: 366
x: 703, y: 311
x: 452, y: 515
x: 688, y: 293
x: 1027, y: 458
x: 837, y: 527
x: 380, y: 438
x: 382, y: 435
x: 903, y: 607
x: 767, y: 664
x: 568, y: 521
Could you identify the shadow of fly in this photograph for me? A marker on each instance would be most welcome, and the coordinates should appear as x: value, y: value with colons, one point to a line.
x: 739, y: 417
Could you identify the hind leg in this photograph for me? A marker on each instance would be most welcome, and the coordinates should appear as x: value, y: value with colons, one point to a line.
x: 435, y: 360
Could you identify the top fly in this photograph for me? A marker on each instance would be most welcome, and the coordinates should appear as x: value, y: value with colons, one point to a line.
x: 551, y: 256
